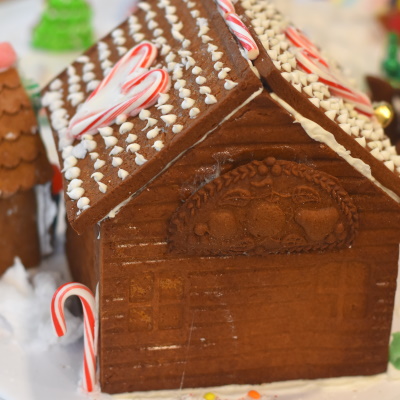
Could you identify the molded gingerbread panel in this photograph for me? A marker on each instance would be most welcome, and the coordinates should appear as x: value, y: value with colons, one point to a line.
x: 265, y: 207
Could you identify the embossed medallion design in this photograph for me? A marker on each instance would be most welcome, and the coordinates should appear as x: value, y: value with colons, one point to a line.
x: 268, y: 206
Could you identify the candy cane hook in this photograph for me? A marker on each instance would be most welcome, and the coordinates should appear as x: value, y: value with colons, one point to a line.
x: 57, y: 314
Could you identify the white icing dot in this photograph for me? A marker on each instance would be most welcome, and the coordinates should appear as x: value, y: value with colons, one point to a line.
x: 122, y: 174
x: 76, y: 98
x: 106, y: 131
x: 116, y: 161
x: 89, y: 76
x: 217, y: 55
x: 92, y: 85
x: 99, y: 163
x: 183, y: 93
x: 56, y: 84
x: 125, y: 127
x: 162, y: 99
x: 230, y: 84
x: 197, y: 70
x: 74, y: 184
x: 76, y: 194
x: 88, y: 67
x: 144, y: 114
x: 158, y: 145
x: 67, y: 151
x: 177, y: 128
x: 194, y: 112
x: 72, y: 173
x: 187, y: 103
x: 102, y: 187
x: 150, y: 122
x: 83, y: 203
x: 153, y: 133
x: 79, y: 151
x: 169, y: 119
x: 139, y: 159
x: 200, y: 80
x: 97, y: 176
x: 210, y: 99
x: 70, y: 162
x: 116, y: 150
x: 133, y: 148
x: 166, y: 108
x: 204, y: 89
x: 131, y: 138
x: 110, y: 141
x: 83, y: 59
x: 94, y: 155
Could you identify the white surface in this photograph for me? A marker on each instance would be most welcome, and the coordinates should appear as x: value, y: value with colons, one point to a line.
x: 34, y: 364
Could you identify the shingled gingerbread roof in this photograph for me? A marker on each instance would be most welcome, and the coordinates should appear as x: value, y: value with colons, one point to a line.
x: 211, y: 79
x: 23, y: 160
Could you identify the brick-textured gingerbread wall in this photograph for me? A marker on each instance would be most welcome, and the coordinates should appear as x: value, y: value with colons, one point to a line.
x: 169, y: 321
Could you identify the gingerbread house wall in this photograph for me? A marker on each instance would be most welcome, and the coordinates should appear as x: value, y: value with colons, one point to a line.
x: 171, y: 321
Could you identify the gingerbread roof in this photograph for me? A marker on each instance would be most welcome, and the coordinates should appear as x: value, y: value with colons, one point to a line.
x: 312, y: 96
x: 23, y: 160
x: 211, y: 78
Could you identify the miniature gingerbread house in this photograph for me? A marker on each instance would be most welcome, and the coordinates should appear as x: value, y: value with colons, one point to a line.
x: 243, y: 229
x: 23, y: 165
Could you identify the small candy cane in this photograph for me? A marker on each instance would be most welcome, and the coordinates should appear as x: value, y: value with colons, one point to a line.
x: 58, y: 317
x: 310, y: 60
x: 127, y: 89
x: 140, y: 92
x: 225, y: 6
x: 243, y: 35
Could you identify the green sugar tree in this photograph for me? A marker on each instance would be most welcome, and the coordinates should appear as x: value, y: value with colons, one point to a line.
x: 65, y: 25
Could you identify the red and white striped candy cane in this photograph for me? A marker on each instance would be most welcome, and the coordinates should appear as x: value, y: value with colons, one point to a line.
x: 310, y: 60
x: 57, y: 314
x: 139, y: 93
x: 240, y: 30
x: 225, y: 6
x: 140, y: 56
x: 127, y: 89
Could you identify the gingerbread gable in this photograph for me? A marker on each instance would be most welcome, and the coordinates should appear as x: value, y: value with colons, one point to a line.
x: 332, y: 103
x: 210, y: 79
x: 23, y: 161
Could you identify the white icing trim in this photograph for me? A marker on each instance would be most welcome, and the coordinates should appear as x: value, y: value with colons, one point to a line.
x: 319, y: 134
x: 116, y: 209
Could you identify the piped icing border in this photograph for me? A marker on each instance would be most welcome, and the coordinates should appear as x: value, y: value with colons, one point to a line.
x: 319, y: 134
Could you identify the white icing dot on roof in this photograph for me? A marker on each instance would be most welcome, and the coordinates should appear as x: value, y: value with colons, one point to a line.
x: 125, y: 127
x: 139, y: 159
x: 131, y: 138
x: 97, y: 176
x: 99, y: 163
x: 133, y: 148
x: 122, y: 174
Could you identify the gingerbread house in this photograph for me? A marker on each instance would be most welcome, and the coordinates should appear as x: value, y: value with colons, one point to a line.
x: 24, y: 169
x: 243, y: 229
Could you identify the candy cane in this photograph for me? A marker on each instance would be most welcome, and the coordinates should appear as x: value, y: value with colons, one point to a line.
x: 243, y: 35
x: 310, y: 60
x: 138, y: 93
x: 140, y: 56
x: 225, y: 6
x: 58, y: 317
x: 127, y: 89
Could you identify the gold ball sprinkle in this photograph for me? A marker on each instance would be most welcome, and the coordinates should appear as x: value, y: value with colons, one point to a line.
x: 384, y: 113
x: 209, y: 396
